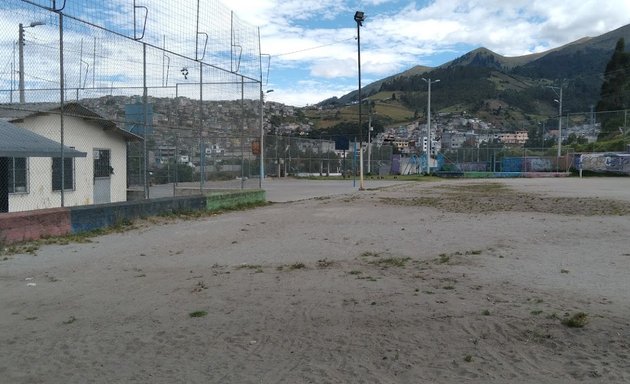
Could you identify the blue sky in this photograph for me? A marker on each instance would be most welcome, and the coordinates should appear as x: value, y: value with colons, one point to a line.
x: 311, y: 44
x: 313, y: 50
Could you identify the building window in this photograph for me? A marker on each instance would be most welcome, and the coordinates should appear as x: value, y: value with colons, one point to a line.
x: 102, y: 167
x: 68, y: 173
x: 18, y: 175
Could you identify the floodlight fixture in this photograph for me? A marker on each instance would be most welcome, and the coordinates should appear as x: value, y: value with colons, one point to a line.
x: 359, y: 17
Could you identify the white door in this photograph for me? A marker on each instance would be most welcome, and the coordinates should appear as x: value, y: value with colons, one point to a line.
x: 102, y: 176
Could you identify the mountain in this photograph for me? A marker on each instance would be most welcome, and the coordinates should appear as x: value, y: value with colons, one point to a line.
x: 504, y: 90
x: 372, y: 87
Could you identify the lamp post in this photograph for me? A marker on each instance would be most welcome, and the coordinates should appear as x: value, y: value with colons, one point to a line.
x: 558, y: 91
x: 359, y: 17
x: 21, y: 56
x: 369, y: 149
x: 429, y: 124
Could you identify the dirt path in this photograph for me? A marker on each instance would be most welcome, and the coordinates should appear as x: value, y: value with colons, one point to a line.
x: 460, y: 281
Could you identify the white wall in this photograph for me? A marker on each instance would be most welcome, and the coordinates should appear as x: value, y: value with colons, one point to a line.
x: 84, y: 136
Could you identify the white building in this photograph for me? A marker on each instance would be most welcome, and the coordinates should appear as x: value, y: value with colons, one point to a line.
x: 101, y: 177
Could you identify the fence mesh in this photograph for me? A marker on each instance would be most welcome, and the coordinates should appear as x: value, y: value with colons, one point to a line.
x: 137, y: 99
x: 128, y: 96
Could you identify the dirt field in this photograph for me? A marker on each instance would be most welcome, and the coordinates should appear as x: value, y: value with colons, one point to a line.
x: 483, y: 281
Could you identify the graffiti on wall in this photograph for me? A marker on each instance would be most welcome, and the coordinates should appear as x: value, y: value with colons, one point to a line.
x: 604, y: 162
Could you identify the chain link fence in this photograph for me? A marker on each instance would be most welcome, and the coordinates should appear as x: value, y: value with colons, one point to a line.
x: 303, y: 157
x: 126, y: 99
x: 483, y: 161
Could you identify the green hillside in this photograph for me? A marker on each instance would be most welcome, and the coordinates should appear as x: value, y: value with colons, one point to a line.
x: 502, y: 90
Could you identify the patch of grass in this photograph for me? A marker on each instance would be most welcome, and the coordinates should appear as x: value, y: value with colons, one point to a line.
x: 468, y: 358
x: 368, y: 278
x: 295, y: 266
x: 256, y: 267
x: 474, y: 252
x: 198, y: 314
x: 485, y: 312
x: 444, y: 258
x: 577, y: 320
x: 448, y: 287
x: 487, y: 197
x: 370, y: 254
x: 355, y: 272
x: 536, y: 312
x: 398, y: 262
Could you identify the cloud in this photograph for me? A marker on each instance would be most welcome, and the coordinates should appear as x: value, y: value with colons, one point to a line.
x: 314, y: 40
x: 395, y: 38
x: 308, y: 92
x: 333, y: 68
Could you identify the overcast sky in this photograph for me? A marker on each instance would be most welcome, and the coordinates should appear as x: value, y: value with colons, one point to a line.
x: 313, y: 48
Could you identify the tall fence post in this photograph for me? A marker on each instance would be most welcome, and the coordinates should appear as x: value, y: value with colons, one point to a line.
x: 145, y: 121
x: 242, y: 132
x: 202, y: 150
x: 61, y: 112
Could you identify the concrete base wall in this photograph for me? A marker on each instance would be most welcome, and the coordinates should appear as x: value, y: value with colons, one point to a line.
x: 90, y: 217
x: 33, y: 225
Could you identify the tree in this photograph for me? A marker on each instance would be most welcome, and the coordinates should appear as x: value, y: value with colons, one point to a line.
x: 534, y: 137
x: 615, y: 93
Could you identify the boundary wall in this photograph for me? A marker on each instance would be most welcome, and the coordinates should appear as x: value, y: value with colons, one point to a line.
x: 32, y: 225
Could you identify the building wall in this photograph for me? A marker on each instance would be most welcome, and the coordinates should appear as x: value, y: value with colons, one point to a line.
x: 85, y: 137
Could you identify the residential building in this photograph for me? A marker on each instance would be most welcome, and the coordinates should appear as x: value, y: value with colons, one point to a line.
x: 101, y: 177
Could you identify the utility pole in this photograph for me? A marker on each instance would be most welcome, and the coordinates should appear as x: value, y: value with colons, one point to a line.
x: 21, y: 63
x: 359, y: 17
x: 558, y: 92
x: 21, y: 56
x: 369, y: 149
x: 429, y: 124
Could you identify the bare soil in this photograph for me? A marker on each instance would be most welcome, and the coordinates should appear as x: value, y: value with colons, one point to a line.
x: 445, y: 282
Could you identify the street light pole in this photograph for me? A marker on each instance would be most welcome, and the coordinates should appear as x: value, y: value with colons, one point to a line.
x: 369, y: 149
x: 21, y: 57
x: 558, y: 91
x: 21, y: 63
x: 359, y: 17
x: 261, y: 165
x: 429, y: 124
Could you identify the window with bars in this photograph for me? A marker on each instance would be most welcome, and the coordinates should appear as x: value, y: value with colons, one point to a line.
x: 102, y: 166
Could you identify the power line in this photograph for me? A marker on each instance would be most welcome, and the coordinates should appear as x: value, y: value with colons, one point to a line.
x: 312, y: 48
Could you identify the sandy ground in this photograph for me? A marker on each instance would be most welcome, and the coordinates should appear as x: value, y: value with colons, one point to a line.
x: 446, y: 282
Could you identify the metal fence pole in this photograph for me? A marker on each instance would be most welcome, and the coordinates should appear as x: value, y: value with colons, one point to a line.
x: 242, y: 132
x: 202, y: 151
x: 61, y: 93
